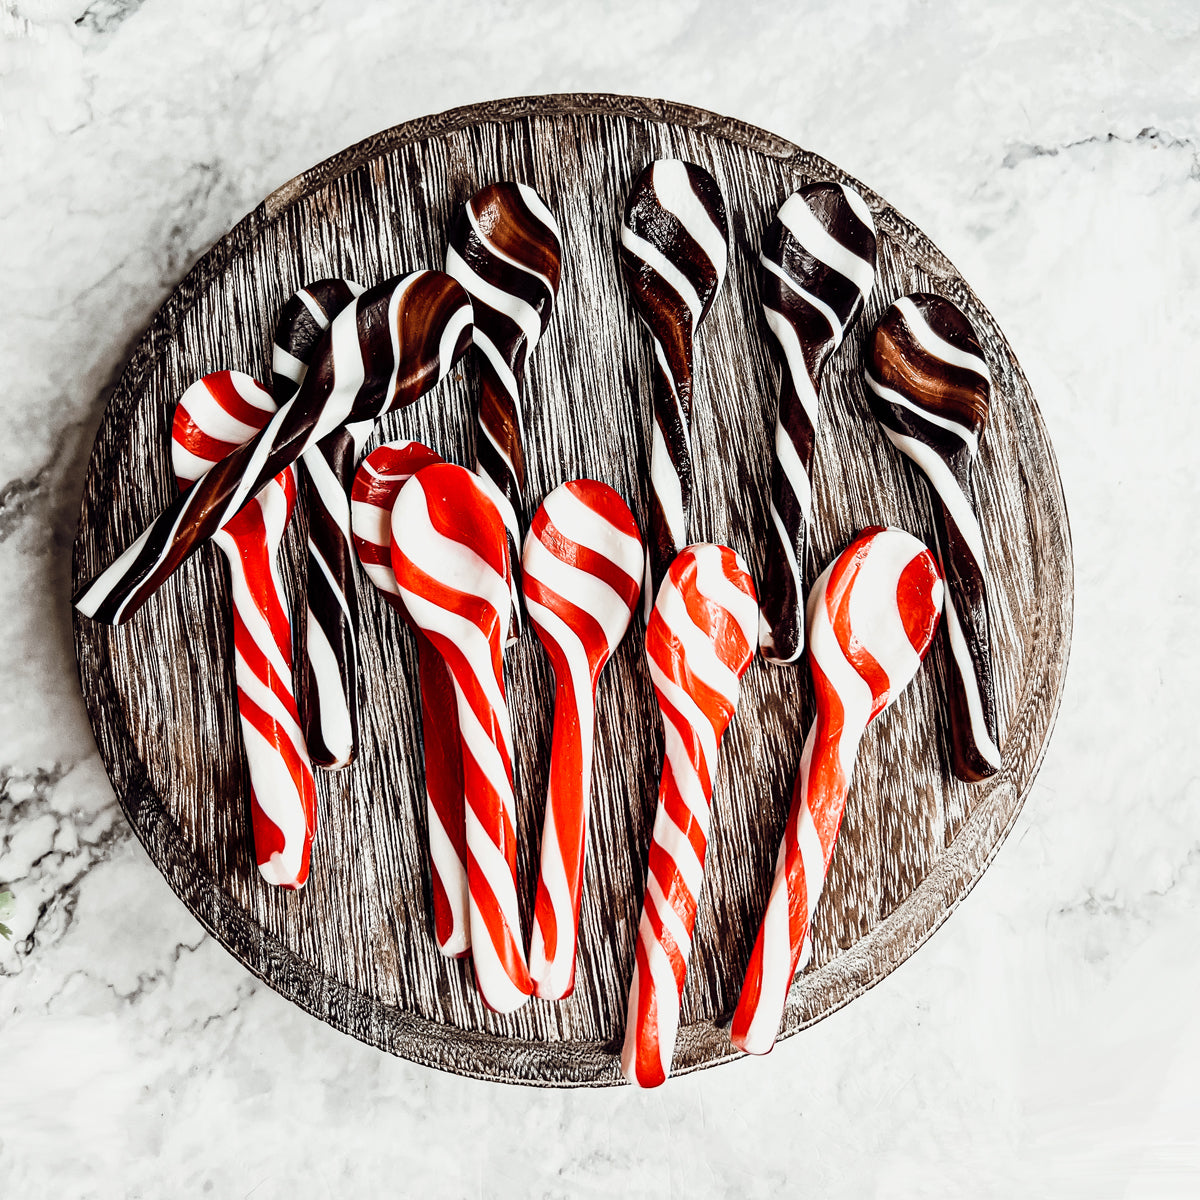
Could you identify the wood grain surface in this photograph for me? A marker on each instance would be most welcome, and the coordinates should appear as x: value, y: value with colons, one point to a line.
x: 355, y: 948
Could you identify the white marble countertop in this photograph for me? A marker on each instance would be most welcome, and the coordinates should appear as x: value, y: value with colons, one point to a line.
x: 1046, y: 1042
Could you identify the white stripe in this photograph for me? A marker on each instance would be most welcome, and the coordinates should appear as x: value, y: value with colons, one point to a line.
x: 670, y: 274
x: 805, y: 226
x: 796, y: 476
x: 673, y: 187
x: 537, y: 206
x: 965, y: 667
x: 946, y: 486
x: 859, y: 206
x: 451, y: 870
x: 287, y: 365
x: 700, y: 658
x: 334, y: 711
x: 585, y: 591
x: 936, y: 345
x: 667, y: 487
x: 894, y: 398
x: 523, y: 315
x: 836, y: 329
x: 495, y: 250
x: 588, y: 528
x: 793, y: 355
x: 713, y: 584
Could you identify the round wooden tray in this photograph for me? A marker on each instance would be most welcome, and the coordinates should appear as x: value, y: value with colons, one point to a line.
x: 355, y: 947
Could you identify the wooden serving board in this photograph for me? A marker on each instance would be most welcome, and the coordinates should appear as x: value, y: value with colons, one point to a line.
x: 355, y: 947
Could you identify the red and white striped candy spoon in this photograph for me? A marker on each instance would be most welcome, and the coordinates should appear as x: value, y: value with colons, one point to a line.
x: 214, y: 416
x: 871, y: 617
x: 377, y: 483
x: 450, y: 555
x: 702, y: 635
x: 582, y: 564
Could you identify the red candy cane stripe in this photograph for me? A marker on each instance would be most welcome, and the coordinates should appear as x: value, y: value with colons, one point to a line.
x: 377, y: 483
x: 871, y: 618
x: 702, y: 635
x: 214, y: 416
x: 582, y: 561
x: 450, y: 555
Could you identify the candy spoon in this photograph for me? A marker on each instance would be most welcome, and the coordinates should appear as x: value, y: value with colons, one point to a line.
x: 700, y: 639
x: 818, y: 267
x: 506, y: 250
x: 379, y: 354
x: 929, y: 387
x: 674, y: 250
x: 377, y: 484
x: 213, y: 417
x: 871, y: 616
x: 582, y: 562
x: 327, y: 674
x: 450, y: 555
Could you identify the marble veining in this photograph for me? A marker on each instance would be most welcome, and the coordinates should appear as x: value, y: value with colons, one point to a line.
x: 1046, y: 1041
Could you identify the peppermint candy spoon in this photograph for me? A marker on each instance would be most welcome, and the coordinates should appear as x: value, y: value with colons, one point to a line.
x: 328, y: 668
x: 929, y: 388
x: 582, y: 562
x: 506, y: 250
x: 818, y: 268
x: 871, y: 617
x: 450, y: 555
x: 379, y: 354
x: 213, y: 417
x: 700, y: 639
x: 377, y: 484
x: 674, y: 251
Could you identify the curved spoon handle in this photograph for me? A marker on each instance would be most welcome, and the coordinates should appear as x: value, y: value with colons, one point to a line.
x: 283, y: 802
x: 971, y: 695
x: 818, y: 803
x: 444, y: 804
x: 564, y: 836
x: 329, y: 675
x: 499, y: 457
x: 701, y: 638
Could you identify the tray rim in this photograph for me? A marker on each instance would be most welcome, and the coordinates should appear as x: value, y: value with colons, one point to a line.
x: 423, y: 1040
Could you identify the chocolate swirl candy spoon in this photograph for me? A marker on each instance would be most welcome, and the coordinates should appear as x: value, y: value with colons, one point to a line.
x: 700, y: 639
x: 818, y: 268
x: 379, y: 354
x: 674, y: 251
x: 450, y: 555
x: 506, y: 250
x: 328, y: 670
x: 582, y: 567
x: 213, y: 417
x: 929, y: 388
x: 377, y: 484
x: 871, y: 617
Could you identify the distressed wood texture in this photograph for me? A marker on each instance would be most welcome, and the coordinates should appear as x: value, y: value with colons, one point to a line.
x: 355, y: 947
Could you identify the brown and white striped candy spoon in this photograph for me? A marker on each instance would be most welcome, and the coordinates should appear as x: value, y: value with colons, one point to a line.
x: 674, y: 251
x: 929, y: 387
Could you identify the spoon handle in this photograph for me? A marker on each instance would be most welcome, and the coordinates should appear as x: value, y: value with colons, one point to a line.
x: 564, y: 834
x: 444, y: 803
x: 497, y: 949
x: 670, y: 463
x: 500, y: 458
x: 818, y: 802
x: 975, y: 754
x: 329, y: 670
x: 283, y: 803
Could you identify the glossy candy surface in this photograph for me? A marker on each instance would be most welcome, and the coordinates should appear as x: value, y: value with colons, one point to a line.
x: 214, y: 416
x: 582, y: 566
x: 929, y: 387
x: 450, y: 555
x: 674, y: 253
x: 871, y: 617
x: 701, y: 637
